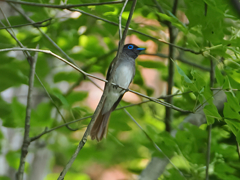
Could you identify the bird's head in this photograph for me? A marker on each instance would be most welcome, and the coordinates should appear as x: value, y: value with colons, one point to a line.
x: 132, y: 50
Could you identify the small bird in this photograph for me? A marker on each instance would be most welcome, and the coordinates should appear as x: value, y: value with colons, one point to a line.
x: 122, y: 77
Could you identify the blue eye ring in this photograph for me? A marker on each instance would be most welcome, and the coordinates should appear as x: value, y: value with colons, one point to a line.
x: 130, y: 47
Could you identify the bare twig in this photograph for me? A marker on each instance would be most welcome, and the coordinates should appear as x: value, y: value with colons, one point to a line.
x: 181, y: 59
x: 150, y: 139
x: 49, y: 39
x: 35, y: 24
x: 212, y: 73
x: 26, y: 139
x: 120, y: 19
x: 138, y: 32
x: 46, y: 130
x: 62, y: 6
x: 171, y: 70
x: 28, y: 56
x: 90, y: 75
x: 70, y: 7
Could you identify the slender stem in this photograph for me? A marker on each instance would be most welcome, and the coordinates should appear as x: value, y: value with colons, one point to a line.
x: 212, y: 73
x: 181, y: 59
x: 238, y: 150
x: 171, y: 70
x: 46, y: 130
x: 150, y: 139
x: 36, y: 24
x: 26, y: 139
x: 138, y: 32
x: 62, y: 6
x: 120, y: 19
x: 90, y: 75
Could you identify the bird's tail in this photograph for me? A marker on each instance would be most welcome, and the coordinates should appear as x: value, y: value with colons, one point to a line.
x: 99, y: 128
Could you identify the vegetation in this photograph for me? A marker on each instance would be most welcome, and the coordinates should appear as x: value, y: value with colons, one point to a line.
x: 191, y: 133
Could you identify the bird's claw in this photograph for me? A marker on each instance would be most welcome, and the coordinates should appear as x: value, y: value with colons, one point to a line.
x: 116, y: 86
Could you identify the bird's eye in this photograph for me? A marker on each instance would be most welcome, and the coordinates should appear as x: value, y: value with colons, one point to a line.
x: 130, y: 47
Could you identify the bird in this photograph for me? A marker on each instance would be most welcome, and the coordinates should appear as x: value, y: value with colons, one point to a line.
x: 122, y: 77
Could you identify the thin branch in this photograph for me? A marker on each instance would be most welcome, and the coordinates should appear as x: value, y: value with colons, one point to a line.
x: 46, y: 130
x: 238, y: 150
x: 90, y: 75
x: 171, y: 70
x: 26, y: 139
x: 154, y: 144
x: 138, y: 32
x: 28, y: 56
x: 120, y: 19
x: 212, y: 77
x: 35, y: 24
x: 62, y: 6
x: 49, y: 39
x: 158, y: 6
x: 105, y: 20
x: 181, y: 59
x: 97, y: 111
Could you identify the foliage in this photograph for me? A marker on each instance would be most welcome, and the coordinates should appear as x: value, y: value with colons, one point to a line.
x: 91, y: 43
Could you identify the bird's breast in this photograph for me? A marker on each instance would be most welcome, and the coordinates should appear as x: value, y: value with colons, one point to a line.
x: 124, y: 74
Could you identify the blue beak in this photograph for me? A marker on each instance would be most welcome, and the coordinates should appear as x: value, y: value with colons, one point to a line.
x: 140, y: 49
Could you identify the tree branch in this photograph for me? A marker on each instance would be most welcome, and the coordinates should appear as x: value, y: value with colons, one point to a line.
x: 90, y: 75
x: 120, y: 19
x: 212, y: 77
x: 171, y: 70
x: 46, y: 130
x: 138, y: 32
x: 62, y: 6
x: 181, y: 59
x: 26, y: 139
x: 35, y: 24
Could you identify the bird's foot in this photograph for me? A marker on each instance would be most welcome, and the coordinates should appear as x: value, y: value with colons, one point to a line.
x: 116, y: 86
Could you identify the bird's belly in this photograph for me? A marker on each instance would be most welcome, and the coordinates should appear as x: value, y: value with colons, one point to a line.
x: 123, y: 76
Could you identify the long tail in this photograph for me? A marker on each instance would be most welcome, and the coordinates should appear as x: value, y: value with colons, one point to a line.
x: 99, y: 128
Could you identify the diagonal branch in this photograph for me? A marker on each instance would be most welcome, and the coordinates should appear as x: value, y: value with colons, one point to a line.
x: 138, y: 32
x: 90, y: 75
x: 62, y: 6
x: 35, y: 24
x: 212, y: 77
x: 70, y: 8
x: 46, y: 130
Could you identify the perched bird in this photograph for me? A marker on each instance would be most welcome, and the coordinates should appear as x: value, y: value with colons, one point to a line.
x: 122, y: 77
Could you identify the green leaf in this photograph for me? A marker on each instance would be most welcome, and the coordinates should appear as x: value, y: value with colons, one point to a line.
x: 152, y: 64
x: 42, y: 115
x: 181, y: 72
x: 211, y: 113
x: 226, y: 84
x: 76, y: 97
x: 12, y: 158
x: 238, y: 136
x: 229, y: 113
x: 60, y: 97
x: 175, y: 21
x: 233, y: 101
x: 4, y: 178
x: 66, y: 76
x: 219, y: 76
x: 17, y: 116
x: 13, y: 77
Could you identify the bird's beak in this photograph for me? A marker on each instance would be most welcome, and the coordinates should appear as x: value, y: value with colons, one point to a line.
x: 141, y: 49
